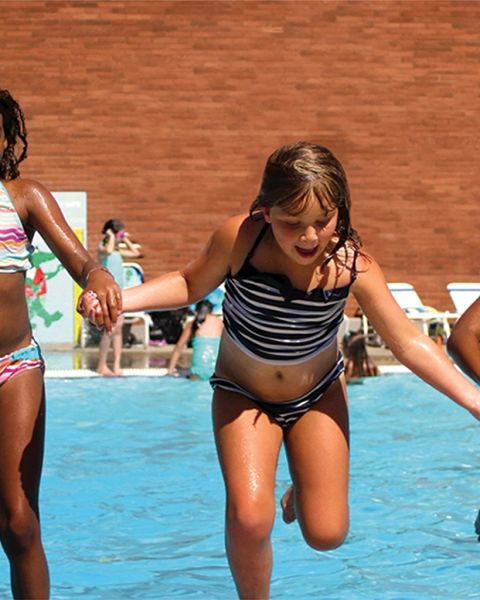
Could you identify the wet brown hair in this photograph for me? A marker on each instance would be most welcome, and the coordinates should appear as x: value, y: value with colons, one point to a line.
x: 298, y: 172
x: 15, y: 134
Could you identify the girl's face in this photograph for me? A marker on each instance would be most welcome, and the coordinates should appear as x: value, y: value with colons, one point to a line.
x: 303, y: 237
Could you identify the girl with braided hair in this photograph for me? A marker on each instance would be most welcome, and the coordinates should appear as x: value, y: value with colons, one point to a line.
x: 26, y: 207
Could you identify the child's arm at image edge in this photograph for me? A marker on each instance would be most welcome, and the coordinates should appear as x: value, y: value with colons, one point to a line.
x: 464, y: 342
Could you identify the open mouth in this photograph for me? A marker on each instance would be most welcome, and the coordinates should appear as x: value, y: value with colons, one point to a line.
x: 306, y: 253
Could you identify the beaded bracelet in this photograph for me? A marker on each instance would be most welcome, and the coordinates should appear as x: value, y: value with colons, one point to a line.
x: 87, y: 277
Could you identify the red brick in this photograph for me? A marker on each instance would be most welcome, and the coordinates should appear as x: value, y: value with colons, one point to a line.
x: 164, y: 113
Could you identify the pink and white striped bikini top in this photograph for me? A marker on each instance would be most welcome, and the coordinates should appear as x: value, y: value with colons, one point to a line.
x: 15, y: 247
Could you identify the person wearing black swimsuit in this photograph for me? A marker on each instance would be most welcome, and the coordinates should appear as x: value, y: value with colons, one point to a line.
x: 288, y: 268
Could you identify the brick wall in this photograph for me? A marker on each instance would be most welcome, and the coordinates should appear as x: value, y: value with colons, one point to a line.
x: 164, y: 112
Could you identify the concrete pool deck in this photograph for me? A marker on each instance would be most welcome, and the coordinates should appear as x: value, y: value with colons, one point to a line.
x: 153, y: 361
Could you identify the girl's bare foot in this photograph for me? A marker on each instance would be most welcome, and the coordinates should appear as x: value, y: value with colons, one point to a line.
x: 117, y: 372
x: 105, y: 371
x: 287, y: 503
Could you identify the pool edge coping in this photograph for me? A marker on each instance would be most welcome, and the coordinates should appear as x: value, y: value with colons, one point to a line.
x: 156, y: 372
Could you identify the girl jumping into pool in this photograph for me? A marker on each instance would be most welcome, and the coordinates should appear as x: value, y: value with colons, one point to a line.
x: 25, y: 207
x: 288, y: 268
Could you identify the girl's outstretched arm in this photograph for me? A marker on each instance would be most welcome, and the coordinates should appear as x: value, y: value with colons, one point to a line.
x: 411, y: 347
x: 194, y: 282
x: 44, y: 215
x: 464, y: 343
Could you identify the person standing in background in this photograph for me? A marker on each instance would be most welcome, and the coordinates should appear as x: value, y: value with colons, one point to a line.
x: 115, y: 246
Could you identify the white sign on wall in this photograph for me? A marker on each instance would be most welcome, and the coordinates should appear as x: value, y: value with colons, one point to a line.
x: 51, y: 292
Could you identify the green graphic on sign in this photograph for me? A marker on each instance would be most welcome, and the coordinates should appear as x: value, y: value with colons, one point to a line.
x: 36, y: 288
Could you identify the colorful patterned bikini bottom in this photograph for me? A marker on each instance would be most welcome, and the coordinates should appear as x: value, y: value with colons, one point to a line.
x: 21, y: 360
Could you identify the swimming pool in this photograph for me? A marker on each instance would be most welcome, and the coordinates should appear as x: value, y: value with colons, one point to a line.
x: 132, y: 497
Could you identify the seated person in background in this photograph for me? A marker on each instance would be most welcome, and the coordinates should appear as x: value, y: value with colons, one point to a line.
x: 205, y: 331
x: 464, y: 343
x: 357, y: 363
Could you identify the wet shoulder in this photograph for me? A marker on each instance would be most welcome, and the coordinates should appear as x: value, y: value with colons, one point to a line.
x: 20, y: 192
x: 343, y: 267
x: 361, y: 259
x: 25, y: 187
x: 26, y: 194
x: 244, y: 231
x: 367, y: 269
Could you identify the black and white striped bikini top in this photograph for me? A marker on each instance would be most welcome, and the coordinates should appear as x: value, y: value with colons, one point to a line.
x: 271, y: 321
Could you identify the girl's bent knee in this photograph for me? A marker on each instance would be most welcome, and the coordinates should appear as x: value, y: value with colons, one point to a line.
x: 19, y: 532
x: 323, y: 540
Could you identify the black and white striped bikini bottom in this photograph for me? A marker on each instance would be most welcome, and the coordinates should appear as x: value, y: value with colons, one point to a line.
x: 286, y: 413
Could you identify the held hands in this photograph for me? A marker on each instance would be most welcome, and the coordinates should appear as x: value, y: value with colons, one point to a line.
x: 88, y: 306
x: 101, y: 301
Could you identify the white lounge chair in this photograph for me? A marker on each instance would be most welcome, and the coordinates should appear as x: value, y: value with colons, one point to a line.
x: 463, y: 295
x: 133, y: 275
x: 408, y: 299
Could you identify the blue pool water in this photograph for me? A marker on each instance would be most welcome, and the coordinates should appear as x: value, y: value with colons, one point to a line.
x: 132, y: 497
